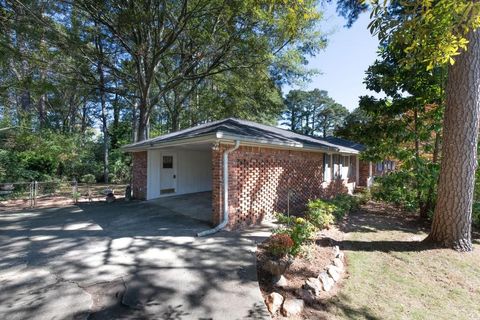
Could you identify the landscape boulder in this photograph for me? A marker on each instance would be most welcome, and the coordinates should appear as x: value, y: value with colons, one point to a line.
x: 327, y: 282
x: 334, y: 272
x: 292, y: 307
x: 274, y: 301
x: 280, y: 282
x: 314, y: 285
x: 337, y: 262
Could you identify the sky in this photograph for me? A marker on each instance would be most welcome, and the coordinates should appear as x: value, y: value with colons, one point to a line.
x: 342, y: 64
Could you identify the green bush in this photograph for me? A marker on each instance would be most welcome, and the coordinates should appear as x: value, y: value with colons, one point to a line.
x: 476, y: 214
x: 88, y: 178
x: 364, y: 197
x: 343, y: 204
x: 320, y: 213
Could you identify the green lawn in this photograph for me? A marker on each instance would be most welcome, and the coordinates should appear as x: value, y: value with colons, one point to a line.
x: 393, y: 276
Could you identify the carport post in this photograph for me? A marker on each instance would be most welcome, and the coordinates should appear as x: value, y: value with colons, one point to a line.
x: 30, y: 194
x: 35, y: 187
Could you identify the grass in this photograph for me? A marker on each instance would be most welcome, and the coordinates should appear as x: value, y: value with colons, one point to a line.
x: 392, y: 275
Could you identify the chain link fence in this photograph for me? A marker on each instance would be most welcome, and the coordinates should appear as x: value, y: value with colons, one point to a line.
x: 20, y: 195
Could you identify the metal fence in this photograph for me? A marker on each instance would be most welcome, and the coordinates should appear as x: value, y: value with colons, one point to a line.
x: 18, y: 195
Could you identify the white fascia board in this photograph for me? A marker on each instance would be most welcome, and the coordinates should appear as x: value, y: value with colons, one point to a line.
x: 230, y: 138
x: 177, y: 142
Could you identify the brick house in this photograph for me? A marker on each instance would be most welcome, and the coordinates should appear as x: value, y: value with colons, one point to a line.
x: 252, y: 170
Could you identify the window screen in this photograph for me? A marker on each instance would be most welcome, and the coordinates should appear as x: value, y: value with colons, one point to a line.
x: 167, y: 162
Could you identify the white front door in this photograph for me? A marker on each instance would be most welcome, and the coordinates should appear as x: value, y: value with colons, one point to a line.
x: 168, y: 173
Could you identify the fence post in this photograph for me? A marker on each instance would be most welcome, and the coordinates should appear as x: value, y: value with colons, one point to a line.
x: 35, y: 189
x: 75, y: 190
x: 30, y: 194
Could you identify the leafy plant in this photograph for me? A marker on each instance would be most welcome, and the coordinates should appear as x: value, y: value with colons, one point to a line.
x: 320, y: 213
x: 89, y: 179
x: 343, y: 204
x: 76, y: 195
x: 298, y: 229
x: 280, y: 245
x: 476, y: 214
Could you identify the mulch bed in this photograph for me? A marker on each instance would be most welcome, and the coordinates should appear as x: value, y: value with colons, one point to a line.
x: 310, y: 264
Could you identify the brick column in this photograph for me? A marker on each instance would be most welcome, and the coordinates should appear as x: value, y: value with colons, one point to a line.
x: 217, y: 184
x: 139, y: 175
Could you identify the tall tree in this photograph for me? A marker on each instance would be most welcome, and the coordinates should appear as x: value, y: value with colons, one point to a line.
x: 445, y: 32
x: 313, y: 112
x: 172, y: 42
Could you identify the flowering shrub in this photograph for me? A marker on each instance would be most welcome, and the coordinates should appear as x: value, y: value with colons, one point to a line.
x: 300, y: 231
x: 280, y: 245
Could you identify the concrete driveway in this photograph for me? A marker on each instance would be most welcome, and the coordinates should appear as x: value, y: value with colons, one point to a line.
x: 134, y: 260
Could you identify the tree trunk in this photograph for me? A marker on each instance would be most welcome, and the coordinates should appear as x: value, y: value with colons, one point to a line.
x: 142, y: 123
x: 84, y: 116
x: 103, y: 105
x: 42, y: 114
x: 104, y: 123
x: 452, y: 221
x: 430, y: 196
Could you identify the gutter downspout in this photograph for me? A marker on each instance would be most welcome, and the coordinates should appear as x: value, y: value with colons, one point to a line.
x: 225, y: 193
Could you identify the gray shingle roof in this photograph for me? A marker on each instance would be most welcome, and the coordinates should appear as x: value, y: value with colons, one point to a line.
x: 345, y: 143
x: 246, y: 130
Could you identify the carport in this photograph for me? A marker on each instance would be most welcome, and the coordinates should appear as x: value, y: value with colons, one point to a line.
x: 180, y: 178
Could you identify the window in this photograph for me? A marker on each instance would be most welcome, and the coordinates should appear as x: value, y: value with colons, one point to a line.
x: 327, y: 167
x: 167, y: 162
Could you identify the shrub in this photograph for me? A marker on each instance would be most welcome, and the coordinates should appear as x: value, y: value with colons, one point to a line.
x: 320, y: 213
x: 364, y: 197
x: 343, y: 204
x: 476, y: 214
x: 300, y: 231
x: 280, y: 245
x: 88, y: 178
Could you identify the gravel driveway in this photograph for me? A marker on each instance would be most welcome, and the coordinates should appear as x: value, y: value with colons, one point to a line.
x: 134, y: 260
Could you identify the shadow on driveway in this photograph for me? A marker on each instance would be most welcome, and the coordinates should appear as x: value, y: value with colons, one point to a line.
x: 134, y: 260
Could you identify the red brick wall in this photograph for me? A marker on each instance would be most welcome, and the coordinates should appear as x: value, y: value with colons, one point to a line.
x: 364, y: 173
x: 260, y: 180
x: 139, y: 175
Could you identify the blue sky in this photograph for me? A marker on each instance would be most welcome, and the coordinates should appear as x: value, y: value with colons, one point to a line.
x: 343, y: 63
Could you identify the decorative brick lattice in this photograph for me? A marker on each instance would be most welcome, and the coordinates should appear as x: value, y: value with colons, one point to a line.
x: 263, y: 181
x: 139, y: 175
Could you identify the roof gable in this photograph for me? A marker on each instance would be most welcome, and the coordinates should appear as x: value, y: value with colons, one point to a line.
x: 248, y: 131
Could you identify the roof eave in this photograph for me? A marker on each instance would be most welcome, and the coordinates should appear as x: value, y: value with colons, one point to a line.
x: 169, y: 143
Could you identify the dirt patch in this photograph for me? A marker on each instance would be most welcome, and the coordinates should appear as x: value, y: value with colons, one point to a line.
x: 311, y: 263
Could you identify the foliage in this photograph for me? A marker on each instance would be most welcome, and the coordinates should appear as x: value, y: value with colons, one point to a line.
x: 406, y: 126
x: 476, y: 214
x: 431, y: 32
x: 343, y: 204
x: 300, y: 231
x: 69, y: 69
x: 364, y: 196
x: 313, y: 112
x: 280, y: 245
x: 88, y: 179
x: 47, y: 155
x: 320, y: 213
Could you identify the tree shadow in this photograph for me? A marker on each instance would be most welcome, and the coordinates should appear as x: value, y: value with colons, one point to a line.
x: 340, y: 303
x: 167, y: 272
